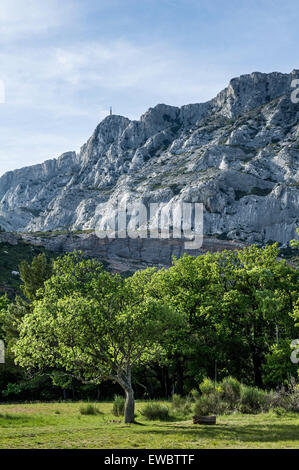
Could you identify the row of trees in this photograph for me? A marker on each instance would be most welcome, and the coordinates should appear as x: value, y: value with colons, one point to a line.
x: 229, y: 313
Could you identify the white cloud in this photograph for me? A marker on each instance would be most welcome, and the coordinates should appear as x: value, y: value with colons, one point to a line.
x: 21, y: 18
x: 56, y: 79
x: 48, y: 88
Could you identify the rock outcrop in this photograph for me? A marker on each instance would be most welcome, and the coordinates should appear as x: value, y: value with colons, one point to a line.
x: 123, y: 255
x: 238, y: 154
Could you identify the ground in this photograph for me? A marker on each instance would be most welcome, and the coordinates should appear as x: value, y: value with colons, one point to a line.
x: 61, y: 426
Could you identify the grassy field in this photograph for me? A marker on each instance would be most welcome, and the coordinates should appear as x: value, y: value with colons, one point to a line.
x: 61, y: 426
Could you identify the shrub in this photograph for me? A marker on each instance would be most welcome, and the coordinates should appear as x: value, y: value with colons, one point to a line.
x: 89, y: 410
x: 180, y: 404
x: 252, y: 400
x: 231, y: 391
x: 210, y: 405
x: 195, y: 394
x: 286, y: 398
x: 119, y: 405
x: 207, y: 386
x: 279, y: 411
x: 156, y: 411
x: 294, y: 397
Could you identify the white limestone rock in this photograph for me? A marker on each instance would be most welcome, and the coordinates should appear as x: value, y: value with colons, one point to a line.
x: 237, y: 153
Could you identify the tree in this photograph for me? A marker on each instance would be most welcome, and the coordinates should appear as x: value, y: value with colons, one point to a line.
x: 4, y: 303
x: 238, y: 305
x: 278, y: 368
x: 96, y: 326
x: 295, y: 243
x: 34, y: 275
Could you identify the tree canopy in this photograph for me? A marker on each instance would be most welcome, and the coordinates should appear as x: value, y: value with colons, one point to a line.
x: 95, y: 326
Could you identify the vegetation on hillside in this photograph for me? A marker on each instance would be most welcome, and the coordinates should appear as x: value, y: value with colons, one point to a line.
x: 11, y: 257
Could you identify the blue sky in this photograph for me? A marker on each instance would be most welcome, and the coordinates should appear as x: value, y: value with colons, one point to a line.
x: 64, y: 63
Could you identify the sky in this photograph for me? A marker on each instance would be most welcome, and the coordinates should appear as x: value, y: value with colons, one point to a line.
x: 64, y: 63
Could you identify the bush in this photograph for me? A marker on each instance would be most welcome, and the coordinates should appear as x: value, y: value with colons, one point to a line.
x: 286, y: 398
x: 279, y: 411
x: 119, y: 405
x: 207, y: 386
x: 89, y: 410
x: 229, y: 395
x: 253, y: 400
x: 294, y: 396
x: 230, y: 391
x: 181, y: 405
x: 210, y: 405
x: 195, y: 394
x: 155, y: 411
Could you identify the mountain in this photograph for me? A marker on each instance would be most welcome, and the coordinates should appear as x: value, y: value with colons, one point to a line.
x: 238, y: 154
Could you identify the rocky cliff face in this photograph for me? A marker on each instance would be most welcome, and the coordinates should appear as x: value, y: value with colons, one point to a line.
x: 238, y: 154
x: 119, y: 255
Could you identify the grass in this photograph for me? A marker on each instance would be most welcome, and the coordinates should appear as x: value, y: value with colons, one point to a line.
x: 61, y: 426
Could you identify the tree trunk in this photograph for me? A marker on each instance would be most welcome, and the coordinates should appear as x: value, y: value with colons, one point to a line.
x: 129, y: 406
x: 257, y: 368
x: 180, y: 376
x: 125, y: 382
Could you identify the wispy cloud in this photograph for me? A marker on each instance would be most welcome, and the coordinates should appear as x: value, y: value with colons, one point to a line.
x: 21, y: 19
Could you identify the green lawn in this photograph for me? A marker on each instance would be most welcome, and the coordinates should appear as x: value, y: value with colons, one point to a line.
x: 61, y: 426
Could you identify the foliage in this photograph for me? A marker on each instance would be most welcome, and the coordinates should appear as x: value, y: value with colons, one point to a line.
x: 181, y: 405
x: 118, y: 405
x: 62, y: 380
x: 220, y: 314
x: 10, y: 258
x: 230, y: 391
x: 252, y: 399
x: 94, y: 325
x: 217, y: 398
x: 295, y: 243
x: 34, y: 275
x: 12, y: 389
x: 195, y: 394
x: 207, y: 386
x: 155, y: 411
x: 237, y: 304
x: 4, y: 303
x: 89, y: 410
x: 38, y: 387
x: 286, y: 397
x: 278, y: 368
x: 210, y: 404
x: 230, y: 395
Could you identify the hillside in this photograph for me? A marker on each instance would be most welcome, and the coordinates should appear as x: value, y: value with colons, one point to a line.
x: 12, y: 252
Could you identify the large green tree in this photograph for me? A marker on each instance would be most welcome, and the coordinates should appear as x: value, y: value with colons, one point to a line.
x: 238, y: 305
x: 96, y: 326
